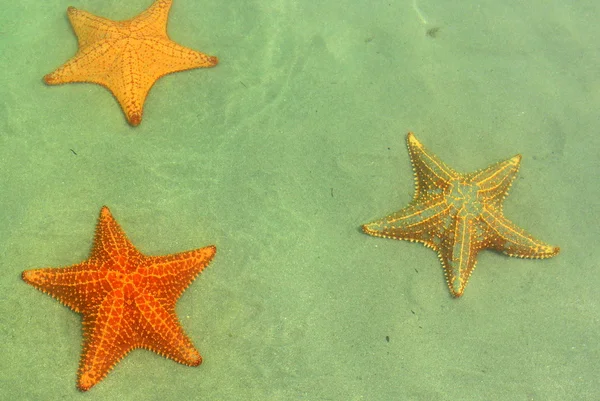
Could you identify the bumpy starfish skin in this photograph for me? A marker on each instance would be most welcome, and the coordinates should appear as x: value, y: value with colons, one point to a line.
x: 126, y: 57
x: 127, y: 299
x: 458, y: 215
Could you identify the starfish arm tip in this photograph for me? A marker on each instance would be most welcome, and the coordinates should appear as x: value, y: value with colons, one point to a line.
x: 201, y: 60
x: 553, y: 251
x: 412, y: 139
x: 206, y: 253
x: 456, y: 291
x: 197, y: 361
x: 134, y: 119
x: 548, y: 252
x: 26, y: 276
x: 105, y: 213
x: 367, y: 230
x: 86, y: 381
x: 516, y: 159
x: 35, y: 278
x: 50, y: 79
x: 75, y: 16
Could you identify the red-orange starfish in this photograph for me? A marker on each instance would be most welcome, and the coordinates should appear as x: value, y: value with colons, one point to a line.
x: 126, y: 57
x: 127, y: 299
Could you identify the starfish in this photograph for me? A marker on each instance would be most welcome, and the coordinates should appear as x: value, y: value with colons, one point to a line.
x: 126, y: 57
x: 459, y: 215
x: 127, y: 299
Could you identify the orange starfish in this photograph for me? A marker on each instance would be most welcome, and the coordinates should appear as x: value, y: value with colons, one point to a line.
x: 458, y: 215
x: 127, y: 299
x: 126, y: 57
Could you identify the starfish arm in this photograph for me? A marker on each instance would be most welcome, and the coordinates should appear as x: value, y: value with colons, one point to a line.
x: 72, y: 285
x: 430, y: 172
x: 458, y: 255
x: 166, y: 57
x: 111, y: 245
x: 513, y: 240
x: 108, y: 337
x: 111, y: 73
x: 95, y: 35
x: 494, y: 181
x: 90, y: 28
x: 416, y: 222
x: 154, y: 19
x: 84, y: 66
x: 162, y: 332
x: 179, y: 270
x: 136, y: 78
x: 159, y: 57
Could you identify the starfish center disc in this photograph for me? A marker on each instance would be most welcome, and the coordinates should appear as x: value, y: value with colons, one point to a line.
x: 463, y: 198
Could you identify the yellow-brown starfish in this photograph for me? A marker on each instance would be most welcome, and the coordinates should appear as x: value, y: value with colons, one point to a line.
x: 458, y: 215
x: 126, y: 57
x: 127, y: 299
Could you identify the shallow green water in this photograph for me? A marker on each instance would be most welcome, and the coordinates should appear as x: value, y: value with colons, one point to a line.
x: 277, y: 156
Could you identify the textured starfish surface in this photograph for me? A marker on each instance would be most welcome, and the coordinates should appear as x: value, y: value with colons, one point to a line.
x: 458, y: 215
x: 127, y: 299
x: 126, y: 57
